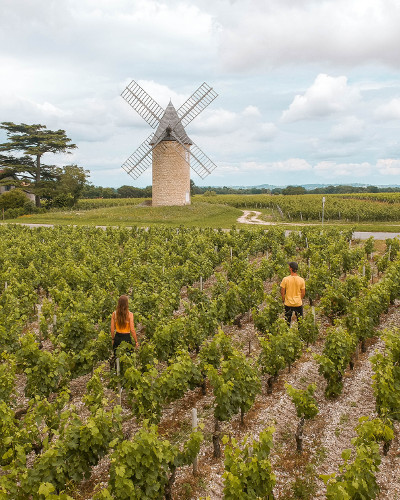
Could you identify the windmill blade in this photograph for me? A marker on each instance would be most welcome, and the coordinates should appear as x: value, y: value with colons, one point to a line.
x: 140, y: 160
x: 143, y: 104
x: 198, y: 160
x: 199, y: 100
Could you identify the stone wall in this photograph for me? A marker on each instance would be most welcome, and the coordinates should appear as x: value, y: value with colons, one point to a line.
x: 171, y: 175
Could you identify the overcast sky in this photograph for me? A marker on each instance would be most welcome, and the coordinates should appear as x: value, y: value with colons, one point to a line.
x: 309, y: 90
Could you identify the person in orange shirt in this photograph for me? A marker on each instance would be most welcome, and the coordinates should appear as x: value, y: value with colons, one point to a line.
x: 122, y: 326
x: 293, y: 290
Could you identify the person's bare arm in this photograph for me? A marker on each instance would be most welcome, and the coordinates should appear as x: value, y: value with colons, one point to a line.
x: 283, y: 293
x: 303, y: 293
x: 132, y: 327
x: 112, y: 326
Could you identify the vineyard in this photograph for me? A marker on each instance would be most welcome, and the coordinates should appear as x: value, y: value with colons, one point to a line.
x: 379, y: 207
x: 371, y: 212
x: 310, y: 412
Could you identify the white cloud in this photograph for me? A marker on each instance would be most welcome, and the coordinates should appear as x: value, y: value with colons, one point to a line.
x: 389, y: 111
x: 266, y: 132
x: 350, y: 129
x: 72, y: 58
x: 162, y: 94
x: 332, y: 170
x: 290, y: 165
x: 326, y: 96
x: 299, y: 171
x: 240, y: 127
x: 260, y: 34
x: 389, y: 166
x: 216, y: 121
x: 251, y: 111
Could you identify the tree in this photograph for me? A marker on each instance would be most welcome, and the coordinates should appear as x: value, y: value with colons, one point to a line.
x: 72, y: 180
x: 32, y: 141
x: 294, y: 190
x: 134, y: 192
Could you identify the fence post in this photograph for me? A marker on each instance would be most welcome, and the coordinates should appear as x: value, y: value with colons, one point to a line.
x: 194, y: 427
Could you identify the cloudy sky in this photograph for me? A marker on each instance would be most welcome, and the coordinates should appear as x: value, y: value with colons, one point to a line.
x: 309, y: 90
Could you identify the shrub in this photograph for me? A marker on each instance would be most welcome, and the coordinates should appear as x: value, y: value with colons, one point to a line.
x: 13, y: 199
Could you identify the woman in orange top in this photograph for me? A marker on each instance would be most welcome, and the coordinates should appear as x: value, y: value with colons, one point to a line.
x: 122, y: 326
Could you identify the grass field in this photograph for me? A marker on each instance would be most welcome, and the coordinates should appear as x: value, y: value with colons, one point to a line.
x: 195, y: 215
x: 216, y: 212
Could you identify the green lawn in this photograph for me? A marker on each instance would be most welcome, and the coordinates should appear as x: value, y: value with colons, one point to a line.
x: 198, y: 214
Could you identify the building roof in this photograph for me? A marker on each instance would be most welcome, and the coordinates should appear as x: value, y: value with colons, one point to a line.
x: 170, y: 120
x: 6, y: 174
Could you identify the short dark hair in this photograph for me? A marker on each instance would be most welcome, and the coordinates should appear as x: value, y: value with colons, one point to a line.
x: 293, y: 266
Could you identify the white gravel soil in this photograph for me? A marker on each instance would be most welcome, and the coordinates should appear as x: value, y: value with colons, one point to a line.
x: 325, y: 437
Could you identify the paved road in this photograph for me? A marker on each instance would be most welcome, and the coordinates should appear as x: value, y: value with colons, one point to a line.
x: 364, y: 235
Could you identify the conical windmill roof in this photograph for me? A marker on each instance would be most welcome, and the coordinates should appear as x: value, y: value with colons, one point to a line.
x: 170, y: 119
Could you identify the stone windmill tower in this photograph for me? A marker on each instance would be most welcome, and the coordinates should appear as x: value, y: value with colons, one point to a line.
x: 169, y: 150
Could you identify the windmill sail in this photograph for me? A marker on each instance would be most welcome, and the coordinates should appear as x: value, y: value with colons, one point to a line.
x: 171, y: 175
x: 198, y: 160
x: 140, y: 160
x: 143, y: 104
x: 199, y: 100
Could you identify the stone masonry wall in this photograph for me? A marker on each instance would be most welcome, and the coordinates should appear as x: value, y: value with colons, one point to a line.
x: 171, y: 175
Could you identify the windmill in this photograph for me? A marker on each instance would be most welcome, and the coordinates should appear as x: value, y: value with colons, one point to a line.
x: 169, y: 150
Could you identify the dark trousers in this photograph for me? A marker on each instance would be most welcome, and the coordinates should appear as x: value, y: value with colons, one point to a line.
x: 121, y: 337
x: 290, y: 310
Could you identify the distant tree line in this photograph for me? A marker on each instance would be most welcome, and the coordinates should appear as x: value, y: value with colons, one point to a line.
x: 341, y: 189
x: 90, y: 191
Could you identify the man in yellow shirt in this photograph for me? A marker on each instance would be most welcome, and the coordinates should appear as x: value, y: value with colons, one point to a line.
x: 293, y: 290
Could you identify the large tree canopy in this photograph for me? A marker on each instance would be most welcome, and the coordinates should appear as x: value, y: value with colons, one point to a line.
x: 32, y: 142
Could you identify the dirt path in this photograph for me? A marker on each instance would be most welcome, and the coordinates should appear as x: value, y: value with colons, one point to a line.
x: 248, y: 218
x: 325, y: 437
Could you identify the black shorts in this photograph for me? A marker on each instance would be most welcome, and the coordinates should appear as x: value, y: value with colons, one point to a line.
x: 121, y: 337
x: 290, y: 310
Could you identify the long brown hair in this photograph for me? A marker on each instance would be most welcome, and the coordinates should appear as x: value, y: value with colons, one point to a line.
x: 122, y: 311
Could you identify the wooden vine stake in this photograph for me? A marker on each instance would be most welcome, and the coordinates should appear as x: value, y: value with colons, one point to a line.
x: 194, y: 428
x: 119, y: 380
x: 39, y: 313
